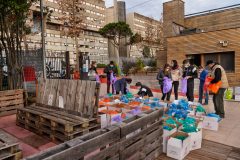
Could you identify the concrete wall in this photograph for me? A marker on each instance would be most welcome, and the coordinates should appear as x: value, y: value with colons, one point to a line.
x: 208, y: 42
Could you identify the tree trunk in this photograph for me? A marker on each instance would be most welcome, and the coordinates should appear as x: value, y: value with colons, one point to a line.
x: 77, y: 54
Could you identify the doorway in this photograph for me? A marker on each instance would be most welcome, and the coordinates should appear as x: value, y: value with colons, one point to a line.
x: 195, y: 59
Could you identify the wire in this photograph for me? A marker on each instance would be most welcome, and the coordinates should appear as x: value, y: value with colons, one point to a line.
x: 140, y: 4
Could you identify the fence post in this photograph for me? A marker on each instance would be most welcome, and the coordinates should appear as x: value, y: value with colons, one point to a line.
x: 67, y: 60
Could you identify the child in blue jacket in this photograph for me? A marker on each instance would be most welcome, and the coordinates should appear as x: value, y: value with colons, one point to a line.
x: 203, y: 75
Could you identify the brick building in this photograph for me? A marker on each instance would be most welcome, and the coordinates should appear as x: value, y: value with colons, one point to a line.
x: 213, y: 34
x: 90, y: 42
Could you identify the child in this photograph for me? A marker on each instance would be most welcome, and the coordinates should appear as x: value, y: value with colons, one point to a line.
x: 203, y: 75
x: 143, y: 90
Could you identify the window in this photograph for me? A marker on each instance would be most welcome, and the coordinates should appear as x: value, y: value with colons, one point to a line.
x: 225, y: 59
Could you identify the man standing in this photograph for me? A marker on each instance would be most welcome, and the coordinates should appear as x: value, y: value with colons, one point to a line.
x: 218, y: 74
x: 111, y: 71
x: 189, y: 72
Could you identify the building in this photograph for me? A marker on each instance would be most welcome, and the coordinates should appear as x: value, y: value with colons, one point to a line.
x: 213, y: 34
x: 149, y: 29
x: 117, y: 13
x: 89, y: 42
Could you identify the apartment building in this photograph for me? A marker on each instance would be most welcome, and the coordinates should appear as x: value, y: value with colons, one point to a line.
x: 57, y: 42
x: 149, y: 29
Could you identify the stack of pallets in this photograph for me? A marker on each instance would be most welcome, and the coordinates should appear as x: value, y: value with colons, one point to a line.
x: 139, y: 138
x: 55, y: 123
x: 10, y: 100
x: 9, y: 148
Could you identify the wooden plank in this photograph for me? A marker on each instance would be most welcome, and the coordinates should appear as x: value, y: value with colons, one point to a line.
x: 11, y: 107
x: 47, y: 91
x: 92, y: 100
x: 80, y: 96
x: 141, y: 122
x: 110, y: 151
x: 11, y: 103
x: 6, y: 113
x: 11, y: 92
x: 53, y: 92
x: 11, y: 97
x: 62, y: 92
x: 71, y: 94
x: 84, y: 148
x: 41, y: 89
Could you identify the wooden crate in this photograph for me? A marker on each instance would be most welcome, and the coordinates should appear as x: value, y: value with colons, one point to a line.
x: 10, y: 100
x: 55, y: 123
x: 9, y: 148
x: 97, y: 145
x: 113, y: 143
x: 141, y: 136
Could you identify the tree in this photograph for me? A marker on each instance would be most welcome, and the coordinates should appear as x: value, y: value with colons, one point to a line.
x: 153, y: 35
x: 73, y: 15
x: 146, y: 52
x: 13, y: 16
x: 116, y: 32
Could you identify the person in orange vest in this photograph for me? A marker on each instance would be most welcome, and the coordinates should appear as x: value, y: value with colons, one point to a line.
x: 218, y: 74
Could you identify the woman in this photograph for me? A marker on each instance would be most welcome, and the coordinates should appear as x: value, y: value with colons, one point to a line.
x: 176, y: 73
x: 92, y: 74
x: 166, y: 72
x: 121, y: 85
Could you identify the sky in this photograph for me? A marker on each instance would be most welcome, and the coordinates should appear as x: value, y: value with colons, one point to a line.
x: 153, y: 8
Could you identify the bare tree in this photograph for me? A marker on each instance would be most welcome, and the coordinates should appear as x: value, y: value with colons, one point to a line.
x: 153, y: 35
x: 73, y: 16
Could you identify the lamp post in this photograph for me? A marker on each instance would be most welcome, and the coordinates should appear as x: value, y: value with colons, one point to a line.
x: 43, y: 39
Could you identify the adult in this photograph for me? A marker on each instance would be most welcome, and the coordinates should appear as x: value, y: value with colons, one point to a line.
x: 203, y: 73
x: 92, y: 74
x: 166, y: 72
x: 121, y: 85
x: 190, y: 73
x: 218, y: 74
x: 143, y: 90
x: 176, y: 76
x: 111, y: 71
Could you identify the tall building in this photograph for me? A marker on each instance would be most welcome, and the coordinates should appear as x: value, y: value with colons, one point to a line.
x: 89, y: 42
x: 150, y: 31
x: 117, y: 13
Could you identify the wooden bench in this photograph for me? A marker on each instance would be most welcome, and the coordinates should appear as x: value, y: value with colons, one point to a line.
x: 10, y: 100
x: 65, y: 109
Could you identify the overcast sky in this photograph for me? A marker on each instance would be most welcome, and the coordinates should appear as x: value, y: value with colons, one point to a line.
x: 153, y: 8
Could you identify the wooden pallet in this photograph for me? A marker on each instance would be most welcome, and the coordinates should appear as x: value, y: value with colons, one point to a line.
x: 55, y: 123
x: 211, y: 151
x: 141, y: 136
x: 71, y: 95
x: 10, y: 100
x: 113, y: 143
x: 9, y: 148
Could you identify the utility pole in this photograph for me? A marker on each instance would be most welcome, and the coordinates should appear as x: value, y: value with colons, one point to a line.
x: 43, y: 39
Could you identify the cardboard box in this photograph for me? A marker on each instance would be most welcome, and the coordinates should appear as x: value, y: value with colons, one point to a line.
x: 177, y: 148
x: 210, y: 123
x: 166, y: 134
x: 196, y: 140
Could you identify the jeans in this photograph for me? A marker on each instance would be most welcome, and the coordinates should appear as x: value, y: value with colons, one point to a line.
x: 108, y: 87
x: 201, y: 92
x: 190, y: 90
x: 219, y: 103
x: 175, y: 86
x: 168, y: 95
